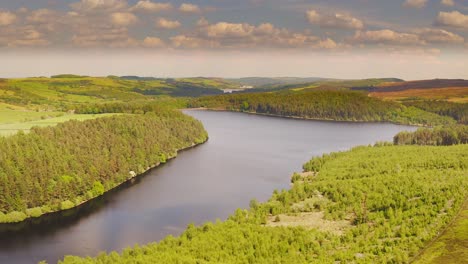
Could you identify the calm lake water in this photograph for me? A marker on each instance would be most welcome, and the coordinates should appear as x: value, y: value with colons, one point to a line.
x: 246, y: 157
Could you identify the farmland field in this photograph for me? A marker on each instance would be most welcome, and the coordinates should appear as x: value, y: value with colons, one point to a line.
x: 8, y: 128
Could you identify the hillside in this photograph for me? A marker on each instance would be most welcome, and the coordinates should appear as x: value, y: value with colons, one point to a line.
x: 61, y: 90
x: 268, y: 82
x: 439, y: 89
x: 324, y: 105
x: 279, y: 84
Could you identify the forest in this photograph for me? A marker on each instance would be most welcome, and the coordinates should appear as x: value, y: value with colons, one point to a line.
x: 81, y: 160
x: 439, y: 136
x: 380, y: 204
x: 327, y: 105
x: 458, y: 111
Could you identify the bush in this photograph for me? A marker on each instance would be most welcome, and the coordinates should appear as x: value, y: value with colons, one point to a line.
x: 65, y: 205
x: 34, y: 212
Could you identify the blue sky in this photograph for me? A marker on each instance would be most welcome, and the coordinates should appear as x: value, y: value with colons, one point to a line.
x: 434, y: 32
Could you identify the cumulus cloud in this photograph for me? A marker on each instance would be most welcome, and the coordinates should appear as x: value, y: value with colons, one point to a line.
x: 202, y: 22
x: 7, y: 18
x: 167, y: 24
x: 326, y: 44
x: 336, y: 20
x: 123, y: 18
x: 46, y: 20
x: 452, y: 19
x: 189, y: 8
x: 151, y: 7
x: 432, y: 35
x: 183, y: 41
x: 447, y: 2
x: 42, y: 16
x: 386, y: 37
x: 109, y: 29
x: 113, y: 37
x: 415, y: 3
x: 153, y: 42
x: 244, y: 35
x: 99, y: 5
x: 230, y: 30
x: 23, y: 36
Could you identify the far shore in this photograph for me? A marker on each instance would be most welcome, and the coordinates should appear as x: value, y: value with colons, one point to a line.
x: 299, y: 117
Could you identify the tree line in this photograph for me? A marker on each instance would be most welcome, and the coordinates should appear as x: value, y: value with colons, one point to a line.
x: 458, y: 111
x: 319, y: 104
x: 447, y: 135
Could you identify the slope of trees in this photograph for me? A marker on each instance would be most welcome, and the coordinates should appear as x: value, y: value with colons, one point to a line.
x: 135, y: 107
x: 331, y: 105
x: 59, y: 167
x: 448, y: 135
x: 458, y: 111
x: 395, y: 199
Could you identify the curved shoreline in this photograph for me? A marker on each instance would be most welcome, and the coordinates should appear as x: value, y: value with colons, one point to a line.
x: 304, y: 118
x: 129, y: 179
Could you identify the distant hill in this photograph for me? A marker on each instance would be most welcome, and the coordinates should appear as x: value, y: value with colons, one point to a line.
x: 455, y: 90
x: 422, y: 84
x: 257, y: 82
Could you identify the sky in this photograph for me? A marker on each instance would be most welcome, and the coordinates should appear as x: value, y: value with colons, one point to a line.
x: 351, y: 39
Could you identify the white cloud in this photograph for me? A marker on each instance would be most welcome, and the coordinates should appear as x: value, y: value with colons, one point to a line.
x: 42, y: 16
x: 183, y: 41
x: 167, y: 24
x: 452, y: 19
x: 447, y: 2
x: 123, y: 18
x: 415, y: 3
x: 153, y: 42
x: 439, y: 36
x: 189, y: 8
x: 47, y: 20
x: 230, y: 30
x: 202, y: 22
x: 98, y: 37
x: 337, y: 20
x: 24, y: 36
x: 326, y: 44
x: 151, y: 7
x: 7, y: 18
x: 388, y: 37
x: 243, y: 35
x: 99, y: 5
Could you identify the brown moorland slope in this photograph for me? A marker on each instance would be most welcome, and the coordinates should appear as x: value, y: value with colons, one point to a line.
x: 454, y: 90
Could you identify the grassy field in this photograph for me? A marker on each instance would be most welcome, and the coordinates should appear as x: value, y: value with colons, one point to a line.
x: 8, y: 116
x: 8, y: 128
x: 452, y: 246
x: 67, y: 90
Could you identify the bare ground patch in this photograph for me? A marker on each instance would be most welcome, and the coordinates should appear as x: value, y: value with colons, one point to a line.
x: 310, y: 220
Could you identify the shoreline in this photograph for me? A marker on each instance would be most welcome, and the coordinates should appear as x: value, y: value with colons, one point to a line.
x: 129, y: 179
x: 303, y: 118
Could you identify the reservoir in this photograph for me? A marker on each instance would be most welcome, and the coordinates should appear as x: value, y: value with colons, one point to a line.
x: 246, y: 157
